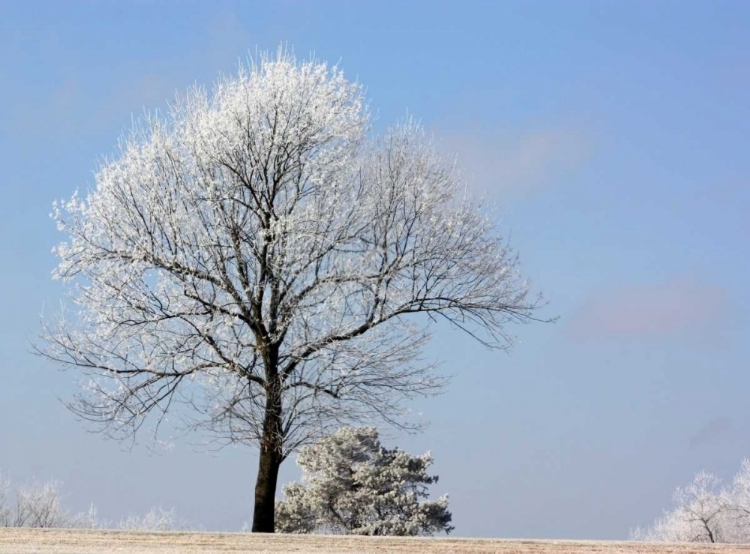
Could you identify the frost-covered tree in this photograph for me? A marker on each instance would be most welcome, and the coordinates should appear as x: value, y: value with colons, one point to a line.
x: 351, y: 484
x: 5, y: 512
x: 258, y: 257
x: 39, y: 505
x: 737, y: 502
x: 698, y: 514
x: 704, y: 512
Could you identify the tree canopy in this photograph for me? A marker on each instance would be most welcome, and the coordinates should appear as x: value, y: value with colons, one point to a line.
x: 260, y: 258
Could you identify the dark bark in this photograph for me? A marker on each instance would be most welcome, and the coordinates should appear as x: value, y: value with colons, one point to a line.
x: 265, y: 491
x: 271, y: 455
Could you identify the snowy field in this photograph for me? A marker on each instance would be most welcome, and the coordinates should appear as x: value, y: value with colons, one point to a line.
x: 22, y: 541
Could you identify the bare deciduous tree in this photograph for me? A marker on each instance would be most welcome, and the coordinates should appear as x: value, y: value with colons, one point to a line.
x: 39, y: 505
x: 737, y: 502
x: 5, y: 513
x: 704, y: 512
x: 257, y: 257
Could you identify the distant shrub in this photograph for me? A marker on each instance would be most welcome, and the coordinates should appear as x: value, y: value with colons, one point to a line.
x: 38, y: 504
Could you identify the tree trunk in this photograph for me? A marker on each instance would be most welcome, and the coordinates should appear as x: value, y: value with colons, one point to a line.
x: 271, y: 456
x: 265, y: 491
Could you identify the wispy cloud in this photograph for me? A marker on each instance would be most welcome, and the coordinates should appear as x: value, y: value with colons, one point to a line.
x: 512, y: 163
x: 675, y: 307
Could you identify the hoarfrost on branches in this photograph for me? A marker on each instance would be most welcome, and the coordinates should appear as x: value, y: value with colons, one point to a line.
x: 39, y: 505
x: 353, y: 485
x: 257, y: 257
x: 156, y: 519
x: 704, y: 512
x: 5, y: 512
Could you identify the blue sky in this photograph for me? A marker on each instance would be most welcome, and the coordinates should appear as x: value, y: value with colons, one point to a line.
x: 612, y: 137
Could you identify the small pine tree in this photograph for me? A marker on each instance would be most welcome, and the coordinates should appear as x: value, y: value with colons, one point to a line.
x: 353, y: 485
